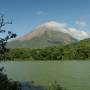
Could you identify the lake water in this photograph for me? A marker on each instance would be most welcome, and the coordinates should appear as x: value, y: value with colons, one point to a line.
x: 73, y: 75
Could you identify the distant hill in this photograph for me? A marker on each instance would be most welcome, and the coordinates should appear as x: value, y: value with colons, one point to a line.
x: 44, y: 35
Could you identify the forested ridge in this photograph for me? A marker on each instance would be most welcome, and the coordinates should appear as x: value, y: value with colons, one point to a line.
x: 74, y: 51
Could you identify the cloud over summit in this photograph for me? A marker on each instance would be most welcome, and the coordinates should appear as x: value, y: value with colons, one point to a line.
x: 54, y: 26
x: 63, y: 27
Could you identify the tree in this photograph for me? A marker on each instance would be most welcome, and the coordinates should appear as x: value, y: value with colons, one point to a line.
x: 4, y: 39
x: 5, y: 83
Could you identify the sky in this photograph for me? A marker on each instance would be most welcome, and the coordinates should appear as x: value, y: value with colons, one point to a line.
x: 28, y: 14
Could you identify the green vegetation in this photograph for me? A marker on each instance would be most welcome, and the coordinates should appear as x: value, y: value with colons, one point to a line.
x: 55, y: 86
x: 74, y: 51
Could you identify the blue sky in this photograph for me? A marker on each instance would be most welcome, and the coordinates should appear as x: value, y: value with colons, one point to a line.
x: 27, y: 14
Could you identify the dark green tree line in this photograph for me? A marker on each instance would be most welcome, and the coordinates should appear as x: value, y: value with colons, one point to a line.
x: 75, y: 51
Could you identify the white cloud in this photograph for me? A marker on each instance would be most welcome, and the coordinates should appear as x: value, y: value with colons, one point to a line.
x: 41, y: 13
x: 81, y: 23
x: 78, y: 34
x: 54, y: 26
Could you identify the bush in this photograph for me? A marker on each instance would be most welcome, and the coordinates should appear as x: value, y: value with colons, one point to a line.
x: 55, y: 86
x: 5, y: 83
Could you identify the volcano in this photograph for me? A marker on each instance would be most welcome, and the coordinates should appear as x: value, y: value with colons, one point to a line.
x: 44, y: 35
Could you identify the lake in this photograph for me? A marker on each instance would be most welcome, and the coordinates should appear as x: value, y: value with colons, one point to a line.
x: 73, y: 75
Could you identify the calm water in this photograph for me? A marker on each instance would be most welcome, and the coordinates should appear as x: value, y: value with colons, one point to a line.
x: 73, y: 75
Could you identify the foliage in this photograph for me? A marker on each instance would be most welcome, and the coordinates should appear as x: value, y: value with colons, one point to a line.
x: 55, y: 86
x: 4, y: 39
x: 75, y: 51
